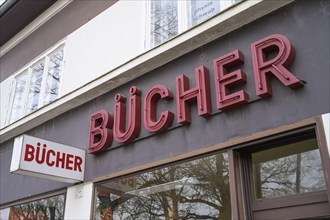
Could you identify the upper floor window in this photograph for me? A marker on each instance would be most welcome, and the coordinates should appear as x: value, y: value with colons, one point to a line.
x: 164, y: 21
x: 171, y: 17
x: 38, y: 84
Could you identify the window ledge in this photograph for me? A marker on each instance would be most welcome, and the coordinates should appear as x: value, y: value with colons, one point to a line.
x: 227, y: 21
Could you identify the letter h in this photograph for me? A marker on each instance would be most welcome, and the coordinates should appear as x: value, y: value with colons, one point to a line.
x: 185, y: 95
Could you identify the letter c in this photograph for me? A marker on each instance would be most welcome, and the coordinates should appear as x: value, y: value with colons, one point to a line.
x: 150, y: 109
x: 48, y: 162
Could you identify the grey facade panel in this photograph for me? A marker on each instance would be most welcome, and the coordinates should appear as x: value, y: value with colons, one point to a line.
x: 17, y: 14
x: 308, y: 30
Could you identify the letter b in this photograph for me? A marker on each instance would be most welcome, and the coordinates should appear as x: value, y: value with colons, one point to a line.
x: 29, y: 153
x: 100, y: 135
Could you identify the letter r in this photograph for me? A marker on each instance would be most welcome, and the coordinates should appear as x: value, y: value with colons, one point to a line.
x: 276, y: 66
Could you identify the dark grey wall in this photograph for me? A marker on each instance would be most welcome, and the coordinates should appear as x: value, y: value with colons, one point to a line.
x: 16, y: 15
x: 62, y: 24
x: 308, y: 31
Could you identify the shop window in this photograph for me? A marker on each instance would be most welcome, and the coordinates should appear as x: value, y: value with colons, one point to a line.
x: 288, y: 169
x: 51, y: 208
x: 197, y: 189
x: 37, y: 85
x: 170, y: 17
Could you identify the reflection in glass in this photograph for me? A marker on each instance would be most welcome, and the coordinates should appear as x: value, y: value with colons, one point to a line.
x: 45, y: 209
x: 18, y: 103
x: 35, y: 86
x: 164, y: 21
x: 290, y: 169
x: 54, y: 76
x: 197, y: 189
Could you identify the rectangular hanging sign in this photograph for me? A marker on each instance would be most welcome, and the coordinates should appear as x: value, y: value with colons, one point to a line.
x: 41, y: 158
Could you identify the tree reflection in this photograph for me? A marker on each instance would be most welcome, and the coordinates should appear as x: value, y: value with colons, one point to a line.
x: 31, y: 82
x: 17, y: 108
x: 35, y: 86
x: 164, y: 21
x: 53, y: 76
x: 286, y: 170
x: 194, y: 190
x: 45, y: 209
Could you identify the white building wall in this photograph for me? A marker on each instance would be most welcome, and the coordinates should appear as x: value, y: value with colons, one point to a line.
x: 79, y: 202
x: 106, y: 42
x: 326, y: 124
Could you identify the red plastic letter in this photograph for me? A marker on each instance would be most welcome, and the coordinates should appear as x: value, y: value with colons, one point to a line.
x: 100, y: 135
x: 225, y: 81
x: 150, y: 109
x: 276, y: 66
x: 29, y: 153
x: 134, y: 124
x: 201, y: 92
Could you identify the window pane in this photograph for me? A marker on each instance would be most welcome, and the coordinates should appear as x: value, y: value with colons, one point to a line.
x: 18, y: 102
x: 203, y: 9
x: 164, y: 21
x: 49, y: 208
x: 53, y: 76
x: 197, y: 189
x: 290, y: 169
x: 35, y: 86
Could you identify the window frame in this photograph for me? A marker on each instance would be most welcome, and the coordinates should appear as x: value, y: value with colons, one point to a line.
x: 45, y: 59
x: 278, y: 140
